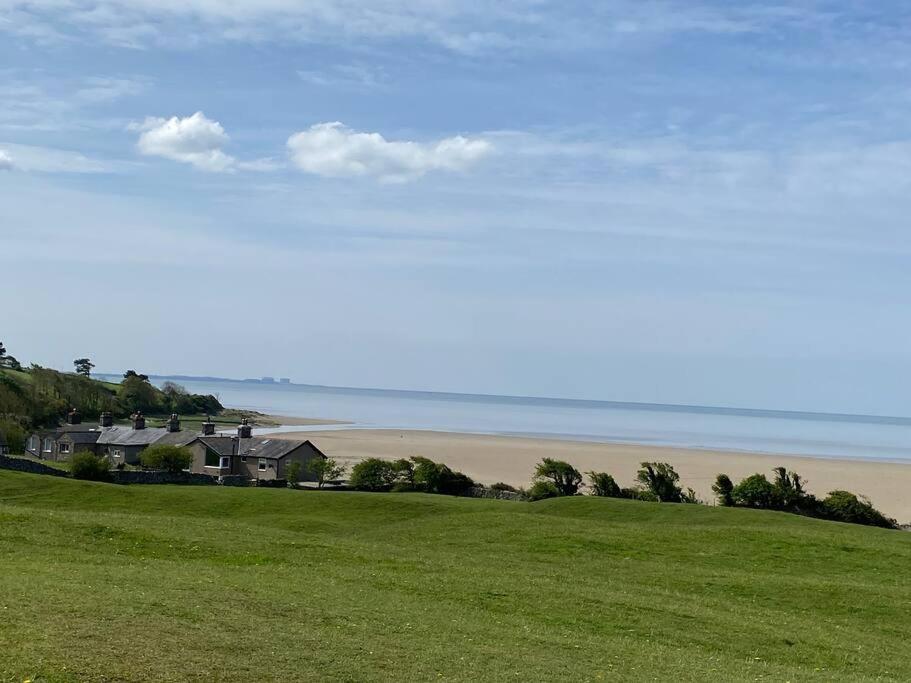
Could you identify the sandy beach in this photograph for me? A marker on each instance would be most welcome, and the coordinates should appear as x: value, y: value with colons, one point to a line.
x: 489, y: 459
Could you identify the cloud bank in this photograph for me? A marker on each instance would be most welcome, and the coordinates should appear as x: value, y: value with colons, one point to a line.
x: 336, y: 151
x: 6, y: 163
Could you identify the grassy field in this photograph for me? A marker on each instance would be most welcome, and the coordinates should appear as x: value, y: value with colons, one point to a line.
x: 106, y: 583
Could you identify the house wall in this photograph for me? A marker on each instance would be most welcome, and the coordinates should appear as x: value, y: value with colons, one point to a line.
x: 198, y: 465
x: 305, y: 454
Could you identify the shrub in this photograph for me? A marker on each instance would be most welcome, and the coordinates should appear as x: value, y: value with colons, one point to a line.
x: 502, y: 486
x: 565, y: 478
x: 639, y: 494
x: 15, y: 435
x: 844, y: 506
x: 543, y: 489
x: 723, y: 489
x: 604, y: 484
x: 325, y: 469
x: 164, y: 457
x: 373, y: 474
x: 756, y: 492
x: 293, y: 473
x: 435, y: 477
x: 661, y: 480
x: 89, y: 466
x: 789, y: 488
x: 689, y: 497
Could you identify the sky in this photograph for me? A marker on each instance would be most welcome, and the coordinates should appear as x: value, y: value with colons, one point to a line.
x: 685, y: 202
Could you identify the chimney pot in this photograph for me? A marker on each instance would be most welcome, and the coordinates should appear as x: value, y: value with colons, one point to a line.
x: 174, y: 423
x: 244, y: 430
x: 208, y: 427
x: 139, y: 422
x: 107, y: 420
x: 73, y: 417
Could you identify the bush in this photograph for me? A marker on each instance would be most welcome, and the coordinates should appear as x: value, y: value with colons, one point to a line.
x: 661, y: 480
x: 565, y: 478
x: 604, y: 484
x: 723, y: 489
x: 434, y: 477
x: 543, y: 489
x: 325, y: 469
x: 164, y: 457
x: 293, y: 473
x: 502, y: 486
x: 789, y: 487
x: 15, y: 435
x: 844, y: 506
x: 639, y: 494
x: 89, y: 466
x: 373, y: 474
x: 757, y: 492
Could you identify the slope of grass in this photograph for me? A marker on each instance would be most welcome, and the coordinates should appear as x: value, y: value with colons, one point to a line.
x: 105, y: 583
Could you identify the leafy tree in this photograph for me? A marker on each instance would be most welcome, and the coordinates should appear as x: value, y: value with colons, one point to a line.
x: 434, y: 477
x: 404, y: 472
x: 132, y: 373
x: 136, y: 394
x: 89, y: 466
x: 15, y: 434
x: 502, y: 486
x: 326, y: 469
x: 293, y: 473
x: 83, y: 366
x: 166, y: 457
x: 757, y: 492
x: 565, y: 478
x: 844, y: 506
x: 723, y: 488
x: 661, y: 480
x: 789, y: 487
x: 605, y: 485
x: 373, y: 474
x: 689, y: 497
x: 543, y: 488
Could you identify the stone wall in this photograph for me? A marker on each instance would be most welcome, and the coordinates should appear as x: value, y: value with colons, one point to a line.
x: 25, y: 465
x: 234, y: 480
x: 156, y: 477
x: 484, y: 492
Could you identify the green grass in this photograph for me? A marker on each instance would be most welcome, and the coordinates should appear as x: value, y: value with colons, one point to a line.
x: 106, y: 583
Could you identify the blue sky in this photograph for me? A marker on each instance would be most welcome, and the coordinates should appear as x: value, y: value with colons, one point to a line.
x: 697, y: 202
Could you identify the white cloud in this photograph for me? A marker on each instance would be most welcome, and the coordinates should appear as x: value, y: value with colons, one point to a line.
x: 334, y: 150
x: 50, y: 160
x: 6, y: 163
x: 194, y: 140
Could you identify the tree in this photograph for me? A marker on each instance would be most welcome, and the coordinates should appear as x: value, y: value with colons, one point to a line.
x: 89, y: 466
x: 132, y: 373
x: 562, y: 475
x: 790, y: 487
x: 844, y: 506
x: 137, y: 394
x: 326, y: 469
x: 605, y: 485
x: 373, y: 474
x: 543, y: 488
x: 756, y: 492
x: 293, y: 473
x: 661, y: 480
x: 435, y: 477
x: 83, y: 366
x: 165, y: 457
x: 723, y: 487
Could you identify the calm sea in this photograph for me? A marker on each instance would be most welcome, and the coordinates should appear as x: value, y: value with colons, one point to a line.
x: 850, y: 436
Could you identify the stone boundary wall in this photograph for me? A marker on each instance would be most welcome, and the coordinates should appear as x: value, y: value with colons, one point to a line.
x: 30, y: 466
x: 496, y: 494
x: 160, y: 477
x: 234, y: 480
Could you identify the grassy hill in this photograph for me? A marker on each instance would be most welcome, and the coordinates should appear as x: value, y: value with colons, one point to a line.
x: 99, y: 582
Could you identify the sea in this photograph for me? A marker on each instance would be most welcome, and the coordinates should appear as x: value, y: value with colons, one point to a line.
x: 867, y: 437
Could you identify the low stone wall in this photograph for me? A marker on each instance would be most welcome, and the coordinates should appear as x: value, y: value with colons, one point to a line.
x: 158, y: 477
x: 272, y: 483
x: 484, y: 492
x: 234, y: 480
x: 24, y: 465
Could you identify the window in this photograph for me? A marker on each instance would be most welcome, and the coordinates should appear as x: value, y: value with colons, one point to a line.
x: 118, y: 453
x: 48, y: 446
x: 33, y: 443
x: 64, y: 448
x: 262, y: 464
x: 212, y: 458
x: 243, y: 458
x: 225, y: 462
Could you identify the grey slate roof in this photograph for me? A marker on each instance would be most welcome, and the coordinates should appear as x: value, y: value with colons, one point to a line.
x: 223, y: 445
x: 127, y: 436
x: 82, y: 437
x: 272, y: 449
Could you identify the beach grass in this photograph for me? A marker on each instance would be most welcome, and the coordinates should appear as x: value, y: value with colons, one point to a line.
x: 104, y: 583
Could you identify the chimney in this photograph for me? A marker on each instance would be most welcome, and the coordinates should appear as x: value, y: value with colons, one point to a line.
x: 173, y: 423
x: 139, y: 422
x: 244, y: 430
x: 208, y: 427
x: 73, y: 417
x: 107, y: 420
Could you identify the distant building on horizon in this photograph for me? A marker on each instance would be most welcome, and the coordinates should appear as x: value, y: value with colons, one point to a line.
x: 284, y: 380
x: 268, y: 380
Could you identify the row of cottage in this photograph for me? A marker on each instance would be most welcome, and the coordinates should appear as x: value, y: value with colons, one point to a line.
x: 214, y: 454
